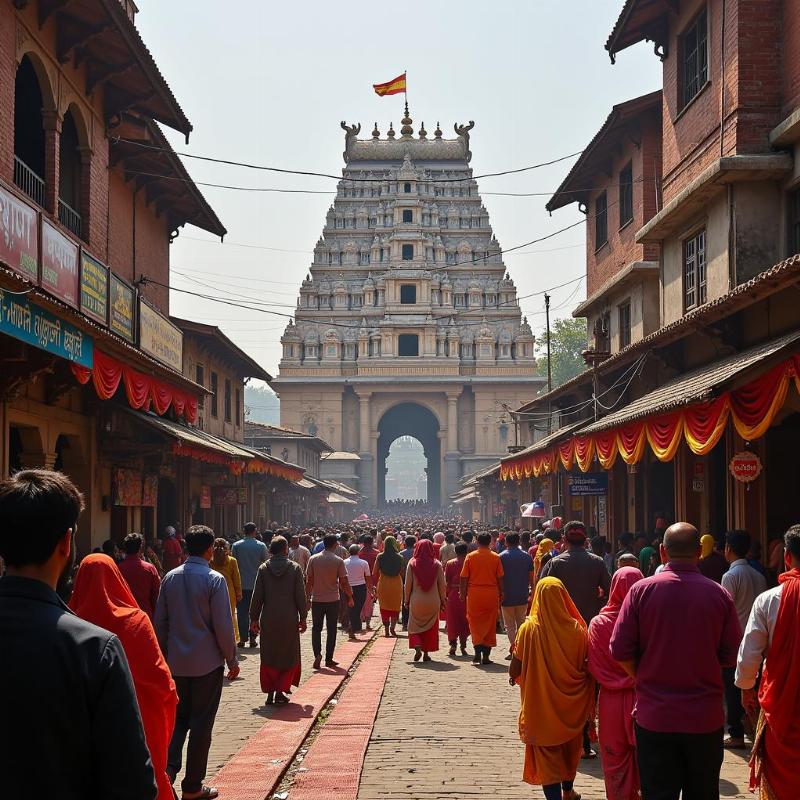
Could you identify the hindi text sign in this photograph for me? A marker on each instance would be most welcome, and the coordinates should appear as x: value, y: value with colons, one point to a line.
x: 59, y: 264
x: 94, y: 289
x: 19, y: 236
x: 159, y: 337
x: 31, y: 324
x: 122, y: 309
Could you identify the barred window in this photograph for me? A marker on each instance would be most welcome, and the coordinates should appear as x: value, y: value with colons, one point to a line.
x: 694, y: 271
x: 626, y: 194
x: 600, y: 220
x: 694, y: 57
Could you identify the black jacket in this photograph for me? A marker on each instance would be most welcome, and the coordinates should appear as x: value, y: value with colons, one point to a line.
x: 70, y: 726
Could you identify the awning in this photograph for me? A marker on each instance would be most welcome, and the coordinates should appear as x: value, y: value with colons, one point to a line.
x: 333, y: 497
x: 194, y: 443
x: 694, y: 407
x: 305, y: 483
x: 466, y: 498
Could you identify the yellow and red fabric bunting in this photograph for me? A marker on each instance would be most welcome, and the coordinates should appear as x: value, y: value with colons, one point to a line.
x: 752, y: 409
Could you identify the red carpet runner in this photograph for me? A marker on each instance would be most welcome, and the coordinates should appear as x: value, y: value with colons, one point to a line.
x: 255, y: 771
x: 335, y: 759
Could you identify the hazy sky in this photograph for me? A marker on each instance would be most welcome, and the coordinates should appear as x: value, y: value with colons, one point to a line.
x: 270, y: 82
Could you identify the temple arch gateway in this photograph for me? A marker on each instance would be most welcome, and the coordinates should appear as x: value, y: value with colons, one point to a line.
x: 408, y: 322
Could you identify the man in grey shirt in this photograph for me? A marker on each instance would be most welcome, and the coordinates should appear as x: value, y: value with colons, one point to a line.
x: 250, y: 554
x: 194, y: 626
x: 743, y: 584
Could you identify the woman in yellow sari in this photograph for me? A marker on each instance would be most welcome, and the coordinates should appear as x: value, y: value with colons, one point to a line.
x: 550, y: 666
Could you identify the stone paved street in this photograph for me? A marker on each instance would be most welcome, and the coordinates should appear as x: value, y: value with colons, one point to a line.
x: 444, y: 730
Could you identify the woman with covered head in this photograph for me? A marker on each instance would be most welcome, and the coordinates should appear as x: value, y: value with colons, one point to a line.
x: 557, y: 691
x: 617, y: 695
x: 425, y: 596
x: 102, y: 597
x: 387, y: 577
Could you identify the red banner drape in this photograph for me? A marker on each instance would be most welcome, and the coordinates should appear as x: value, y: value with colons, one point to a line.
x: 141, y: 390
x: 752, y: 408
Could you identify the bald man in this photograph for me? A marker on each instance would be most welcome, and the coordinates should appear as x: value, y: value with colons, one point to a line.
x: 675, y: 632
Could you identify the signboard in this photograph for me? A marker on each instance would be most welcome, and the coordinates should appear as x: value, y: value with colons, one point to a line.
x: 150, y: 491
x: 592, y: 484
x: 745, y: 466
x: 205, y: 497
x: 19, y: 236
x: 33, y: 325
x: 159, y: 337
x: 230, y: 496
x: 122, y: 309
x: 94, y: 289
x: 59, y: 264
x: 127, y: 487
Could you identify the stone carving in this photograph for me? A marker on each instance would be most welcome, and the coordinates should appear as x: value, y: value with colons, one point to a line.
x: 351, y: 132
x: 463, y: 134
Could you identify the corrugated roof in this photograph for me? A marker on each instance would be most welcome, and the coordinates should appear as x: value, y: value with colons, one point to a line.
x: 696, y: 386
x: 548, y: 440
x: 333, y: 497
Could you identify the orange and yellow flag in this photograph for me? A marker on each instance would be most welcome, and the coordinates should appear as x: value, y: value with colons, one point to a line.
x: 394, y: 86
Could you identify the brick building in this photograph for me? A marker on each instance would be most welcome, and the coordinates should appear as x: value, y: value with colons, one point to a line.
x: 693, y: 414
x: 91, y: 195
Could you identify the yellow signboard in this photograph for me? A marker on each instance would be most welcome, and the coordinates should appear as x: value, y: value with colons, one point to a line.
x: 159, y: 337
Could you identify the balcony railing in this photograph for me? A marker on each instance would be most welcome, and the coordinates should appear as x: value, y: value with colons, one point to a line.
x: 28, y: 181
x: 70, y: 218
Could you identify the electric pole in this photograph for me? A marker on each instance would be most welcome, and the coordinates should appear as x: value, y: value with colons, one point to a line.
x: 549, y: 360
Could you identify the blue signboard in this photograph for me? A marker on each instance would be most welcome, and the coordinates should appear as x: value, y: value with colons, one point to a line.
x: 33, y: 325
x: 591, y: 484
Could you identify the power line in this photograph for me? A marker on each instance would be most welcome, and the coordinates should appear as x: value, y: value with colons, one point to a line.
x: 308, y: 173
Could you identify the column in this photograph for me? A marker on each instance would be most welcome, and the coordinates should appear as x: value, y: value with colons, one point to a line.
x: 364, y: 420
x: 452, y: 421
x: 451, y: 473
x: 51, y: 122
x: 366, y: 468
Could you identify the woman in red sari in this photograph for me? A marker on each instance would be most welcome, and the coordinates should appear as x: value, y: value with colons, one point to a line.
x: 456, y: 613
x: 425, y: 596
x: 102, y: 597
x: 617, y: 695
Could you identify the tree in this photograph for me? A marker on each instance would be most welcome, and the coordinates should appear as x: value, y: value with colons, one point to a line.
x: 568, y: 341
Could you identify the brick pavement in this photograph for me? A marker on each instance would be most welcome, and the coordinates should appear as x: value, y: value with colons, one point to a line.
x: 448, y: 730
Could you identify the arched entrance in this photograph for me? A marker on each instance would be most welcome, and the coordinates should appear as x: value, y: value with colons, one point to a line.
x: 411, y: 419
x: 406, y: 470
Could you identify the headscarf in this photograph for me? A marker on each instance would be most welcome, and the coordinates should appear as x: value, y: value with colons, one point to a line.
x: 707, y: 543
x: 608, y: 672
x: 545, y: 547
x: 423, y: 564
x: 102, y: 597
x: 557, y: 689
x: 390, y: 561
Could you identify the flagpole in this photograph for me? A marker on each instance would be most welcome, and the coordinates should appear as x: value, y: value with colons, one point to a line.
x: 405, y: 91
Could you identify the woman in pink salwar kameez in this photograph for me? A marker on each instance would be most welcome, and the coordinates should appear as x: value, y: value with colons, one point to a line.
x: 455, y: 611
x: 617, y: 695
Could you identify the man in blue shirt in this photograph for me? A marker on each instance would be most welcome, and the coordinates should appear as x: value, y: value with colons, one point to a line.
x: 517, y: 582
x: 250, y: 554
x: 194, y: 626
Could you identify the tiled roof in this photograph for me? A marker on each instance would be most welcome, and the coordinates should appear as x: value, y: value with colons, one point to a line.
x: 698, y: 385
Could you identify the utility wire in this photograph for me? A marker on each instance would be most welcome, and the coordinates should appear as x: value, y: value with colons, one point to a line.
x: 261, y: 167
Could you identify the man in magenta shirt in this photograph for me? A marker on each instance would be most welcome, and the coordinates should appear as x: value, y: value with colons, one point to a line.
x: 675, y: 632
x: 140, y: 575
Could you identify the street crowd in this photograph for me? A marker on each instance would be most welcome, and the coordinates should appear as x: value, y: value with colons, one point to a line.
x: 113, y: 668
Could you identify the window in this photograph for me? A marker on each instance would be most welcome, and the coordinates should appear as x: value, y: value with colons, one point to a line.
x: 408, y: 344
x: 214, y: 401
x: 694, y: 58
x: 408, y: 252
x: 625, y: 324
x: 626, y: 194
x: 238, y: 407
x: 408, y: 294
x: 227, y: 400
x: 407, y: 188
x: 408, y: 215
x: 69, y: 191
x: 600, y: 221
x: 602, y: 328
x: 200, y: 377
x: 29, y: 143
x: 694, y: 271
x: 794, y: 222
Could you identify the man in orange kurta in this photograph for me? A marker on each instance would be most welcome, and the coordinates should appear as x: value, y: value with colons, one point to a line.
x: 481, y: 587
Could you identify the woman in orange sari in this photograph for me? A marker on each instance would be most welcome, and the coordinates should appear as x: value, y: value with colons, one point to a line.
x: 102, y: 597
x: 550, y: 666
x: 617, y: 695
x: 481, y: 588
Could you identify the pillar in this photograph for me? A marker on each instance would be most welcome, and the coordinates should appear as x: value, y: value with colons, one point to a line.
x: 367, y: 479
x: 452, y: 457
x: 51, y: 123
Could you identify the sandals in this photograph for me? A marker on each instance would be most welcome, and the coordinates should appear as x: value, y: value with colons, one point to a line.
x: 205, y: 793
x: 426, y: 657
x: 418, y: 655
x: 281, y: 699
